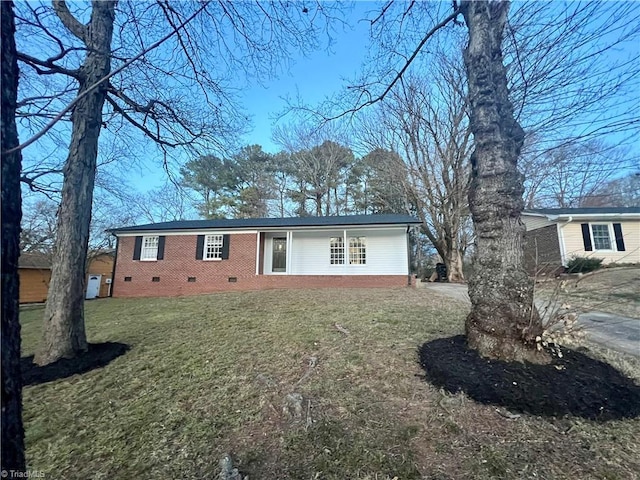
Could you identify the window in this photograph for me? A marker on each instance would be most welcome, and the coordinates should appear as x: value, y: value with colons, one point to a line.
x: 213, y: 247
x: 149, y: 248
x: 336, y: 250
x: 357, y: 250
x: 601, y: 236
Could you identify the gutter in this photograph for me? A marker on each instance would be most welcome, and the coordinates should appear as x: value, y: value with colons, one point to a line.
x: 408, y: 257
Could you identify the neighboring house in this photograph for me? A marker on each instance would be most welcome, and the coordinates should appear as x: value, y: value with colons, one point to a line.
x: 34, y: 270
x: 201, y: 256
x: 99, y: 274
x: 555, y: 235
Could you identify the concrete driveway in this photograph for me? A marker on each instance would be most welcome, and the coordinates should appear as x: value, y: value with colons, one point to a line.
x: 612, y: 331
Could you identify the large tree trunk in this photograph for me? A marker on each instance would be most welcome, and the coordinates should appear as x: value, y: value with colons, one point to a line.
x: 453, y: 262
x: 64, y: 332
x: 12, y: 429
x: 503, y: 322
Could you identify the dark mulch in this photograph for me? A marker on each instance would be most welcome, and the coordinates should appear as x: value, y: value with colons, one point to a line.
x: 97, y: 356
x: 575, y: 384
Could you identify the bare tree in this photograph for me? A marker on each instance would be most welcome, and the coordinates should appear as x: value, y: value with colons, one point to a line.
x: 555, y: 98
x: 503, y: 322
x: 64, y: 333
x: 566, y: 176
x: 427, y: 123
x: 12, y: 428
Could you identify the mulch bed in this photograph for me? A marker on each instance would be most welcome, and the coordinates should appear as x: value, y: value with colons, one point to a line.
x: 575, y: 384
x: 97, y: 356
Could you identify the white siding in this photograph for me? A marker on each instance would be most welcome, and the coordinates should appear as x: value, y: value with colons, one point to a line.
x: 386, y: 252
x: 532, y: 222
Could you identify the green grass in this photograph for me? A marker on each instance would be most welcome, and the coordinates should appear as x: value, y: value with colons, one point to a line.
x: 208, y: 375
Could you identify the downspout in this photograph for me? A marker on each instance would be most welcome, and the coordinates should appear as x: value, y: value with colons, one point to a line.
x: 408, y: 256
x: 561, y: 241
x: 113, y: 271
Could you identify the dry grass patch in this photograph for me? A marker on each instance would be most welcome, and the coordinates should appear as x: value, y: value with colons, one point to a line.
x: 210, y: 374
x: 615, y: 290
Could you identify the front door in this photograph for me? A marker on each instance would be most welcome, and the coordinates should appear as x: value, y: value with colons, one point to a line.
x: 279, y: 258
x: 93, y: 286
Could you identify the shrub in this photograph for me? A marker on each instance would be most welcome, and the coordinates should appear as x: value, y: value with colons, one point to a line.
x: 583, y: 264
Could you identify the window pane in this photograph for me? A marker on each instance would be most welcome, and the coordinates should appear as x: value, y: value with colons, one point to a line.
x: 213, y: 247
x: 336, y: 250
x: 601, y: 240
x: 357, y: 250
x: 149, y: 248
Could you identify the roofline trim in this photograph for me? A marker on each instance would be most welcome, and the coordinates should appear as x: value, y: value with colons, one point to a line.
x: 254, y: 230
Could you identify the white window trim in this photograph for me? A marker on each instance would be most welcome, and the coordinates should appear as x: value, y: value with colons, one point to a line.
x: 344, y: 250
x: 348, y: 253
x: 142, y: 248
x: 612, y: 237
x: 205, y: 249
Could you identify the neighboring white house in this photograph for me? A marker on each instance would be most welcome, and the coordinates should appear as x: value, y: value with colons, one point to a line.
x: 190, y: 257
x: 555, y: 235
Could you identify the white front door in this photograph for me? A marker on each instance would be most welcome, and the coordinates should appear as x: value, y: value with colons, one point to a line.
x: 93, y: 286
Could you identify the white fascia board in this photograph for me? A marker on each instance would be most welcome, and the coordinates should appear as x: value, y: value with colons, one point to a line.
x: 335, y: 227
x: 595, y: 216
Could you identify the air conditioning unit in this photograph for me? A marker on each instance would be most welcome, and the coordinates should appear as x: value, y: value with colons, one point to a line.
x: 107, y: 281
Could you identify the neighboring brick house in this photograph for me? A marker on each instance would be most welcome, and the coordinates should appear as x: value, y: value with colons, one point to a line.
x: 555, y: 235
x: 34, y: 269
x: 202, y: 256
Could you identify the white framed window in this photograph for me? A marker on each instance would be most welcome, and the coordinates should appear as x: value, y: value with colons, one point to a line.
x: 213, y: 247
x: 149, y: 250
x: 601, y: 236
x: 357, y: 250
x: 336, y: 251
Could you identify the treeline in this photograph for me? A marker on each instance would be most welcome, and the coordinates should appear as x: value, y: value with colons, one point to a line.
x: 326, y: 179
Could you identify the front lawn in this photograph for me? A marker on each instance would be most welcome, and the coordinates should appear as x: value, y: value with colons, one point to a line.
x: 209, y: 375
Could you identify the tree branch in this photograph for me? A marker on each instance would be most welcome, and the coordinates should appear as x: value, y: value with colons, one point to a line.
x: 402, y: 71
x: 60, y: 115
x: 69, y: 21
x: 53, y: 68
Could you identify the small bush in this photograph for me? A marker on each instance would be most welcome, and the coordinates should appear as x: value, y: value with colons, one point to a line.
x: 584, y: 264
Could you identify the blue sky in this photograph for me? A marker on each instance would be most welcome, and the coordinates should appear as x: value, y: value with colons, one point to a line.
x: 312, y: 78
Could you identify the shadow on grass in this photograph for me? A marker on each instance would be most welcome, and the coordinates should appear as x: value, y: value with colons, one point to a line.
x: 574, y: 385
x: 98, y: 356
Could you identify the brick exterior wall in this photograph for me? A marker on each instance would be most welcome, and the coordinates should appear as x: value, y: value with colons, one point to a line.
x: 180, y: 263
x: 549, y: 259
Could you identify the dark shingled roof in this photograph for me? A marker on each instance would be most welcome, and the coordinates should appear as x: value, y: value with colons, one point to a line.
x: 36, y: 260
x: 584, y: 211
x: 347, y: 220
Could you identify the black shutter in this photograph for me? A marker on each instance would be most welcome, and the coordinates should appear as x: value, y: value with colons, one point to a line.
x: 586, y: 237
x: 137, y: 248
x: 161, y: 247
x: 199, y: 247
x: 617, y: 231
x: 225, y: 246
